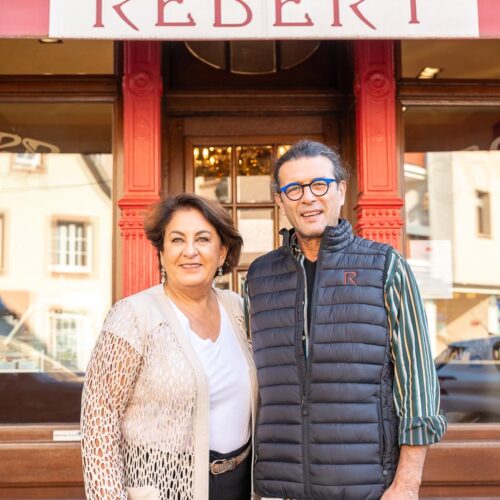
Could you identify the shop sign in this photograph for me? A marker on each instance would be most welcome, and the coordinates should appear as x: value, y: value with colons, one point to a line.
x: 264, y: 19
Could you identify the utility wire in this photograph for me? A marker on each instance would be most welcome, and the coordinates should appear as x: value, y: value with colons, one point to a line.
x: 49, y: 188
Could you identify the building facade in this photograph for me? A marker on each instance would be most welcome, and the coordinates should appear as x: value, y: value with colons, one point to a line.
x: 104, y: 110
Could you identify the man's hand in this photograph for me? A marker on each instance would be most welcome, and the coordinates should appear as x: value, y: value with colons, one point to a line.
x: 402, y: 492
x: 408, y: 474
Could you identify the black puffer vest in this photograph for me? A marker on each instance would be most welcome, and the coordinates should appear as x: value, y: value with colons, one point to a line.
x: 326, y: 426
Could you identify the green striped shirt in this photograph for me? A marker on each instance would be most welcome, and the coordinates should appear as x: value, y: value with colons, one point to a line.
x: 416, y: 387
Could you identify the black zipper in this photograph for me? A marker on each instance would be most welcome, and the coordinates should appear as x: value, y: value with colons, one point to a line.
x: 301, y: 360
x: 306, y: 371
x: 381, y: 439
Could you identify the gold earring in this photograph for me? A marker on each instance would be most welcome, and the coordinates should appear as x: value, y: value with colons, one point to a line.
x: 163, y: 275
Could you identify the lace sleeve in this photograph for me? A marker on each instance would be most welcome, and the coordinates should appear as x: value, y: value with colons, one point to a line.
x: 109, y: 383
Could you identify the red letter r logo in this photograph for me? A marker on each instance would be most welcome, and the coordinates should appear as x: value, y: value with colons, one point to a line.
x: 349, y: 278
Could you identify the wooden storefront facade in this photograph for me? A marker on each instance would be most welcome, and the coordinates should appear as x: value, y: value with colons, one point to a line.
x: 349, y: 94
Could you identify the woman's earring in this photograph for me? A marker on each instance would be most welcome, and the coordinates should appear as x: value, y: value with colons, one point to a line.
x: 163, y: 275
x: 220, y: 272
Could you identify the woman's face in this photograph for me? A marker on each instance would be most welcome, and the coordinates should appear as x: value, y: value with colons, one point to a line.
x: 192, y: 250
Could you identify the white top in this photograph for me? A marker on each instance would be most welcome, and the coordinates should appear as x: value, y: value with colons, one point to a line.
x: 229, y: 384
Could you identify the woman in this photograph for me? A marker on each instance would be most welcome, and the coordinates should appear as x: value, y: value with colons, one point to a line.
x: 171, y: 376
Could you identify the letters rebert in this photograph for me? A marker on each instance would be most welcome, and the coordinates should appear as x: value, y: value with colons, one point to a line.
x: 247, y: 15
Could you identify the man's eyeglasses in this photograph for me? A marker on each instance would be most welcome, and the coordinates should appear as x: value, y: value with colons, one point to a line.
x: 319, y: 187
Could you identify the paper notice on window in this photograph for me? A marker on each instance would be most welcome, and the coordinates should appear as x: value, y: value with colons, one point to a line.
x: 431, y: 262
x: 67, y: 435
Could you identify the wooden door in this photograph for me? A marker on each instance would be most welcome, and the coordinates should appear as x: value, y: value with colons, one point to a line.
x: 230, y: 160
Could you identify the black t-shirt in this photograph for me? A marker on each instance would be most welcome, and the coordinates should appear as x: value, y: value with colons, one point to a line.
x: 310, y: 268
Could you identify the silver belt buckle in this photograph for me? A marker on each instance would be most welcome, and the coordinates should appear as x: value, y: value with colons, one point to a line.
x: 226, y: 465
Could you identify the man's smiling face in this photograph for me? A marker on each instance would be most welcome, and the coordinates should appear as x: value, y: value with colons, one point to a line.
x: 311, y: 214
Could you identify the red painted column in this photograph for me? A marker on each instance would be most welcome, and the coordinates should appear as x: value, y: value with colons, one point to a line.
x: 142, y: 90
x: 379, y: 203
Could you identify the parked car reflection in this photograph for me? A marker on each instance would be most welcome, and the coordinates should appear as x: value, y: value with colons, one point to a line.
x: 469, y: 375
x: 46, y: 390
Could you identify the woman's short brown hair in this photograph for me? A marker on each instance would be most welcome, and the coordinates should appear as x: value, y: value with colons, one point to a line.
x: 161, y: 214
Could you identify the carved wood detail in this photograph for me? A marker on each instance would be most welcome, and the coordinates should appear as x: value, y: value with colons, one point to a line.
x: 142, y: 90
x: 379, y: 203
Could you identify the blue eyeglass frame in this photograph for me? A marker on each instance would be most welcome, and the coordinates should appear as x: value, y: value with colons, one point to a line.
x: 303, y: 186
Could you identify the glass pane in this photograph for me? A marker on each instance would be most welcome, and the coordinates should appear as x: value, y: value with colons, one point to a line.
x: 211, y: 53
x: 452, y: 181
x: 283, y: 220
x: 67, y: 57
x: 450, y: 58
x: 293, y: 52
x: 282, y: 149
x: 254, y: 173
x: 212, y: 167
x: 257, y: 229
x: 253, y: 57
x: 56, y: 210
x: 224, y: 282
x: 242, y: 276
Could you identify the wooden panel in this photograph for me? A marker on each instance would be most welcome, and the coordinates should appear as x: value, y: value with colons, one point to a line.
x: 35, y: 466
x: 262, y: 103
x: 464, y: 463
x: 439, y: 92
x: 66, y: 88
x: 42, y: 492
x: 253, y: 126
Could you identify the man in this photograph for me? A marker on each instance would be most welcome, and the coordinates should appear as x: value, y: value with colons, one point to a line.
x: 349, y: 399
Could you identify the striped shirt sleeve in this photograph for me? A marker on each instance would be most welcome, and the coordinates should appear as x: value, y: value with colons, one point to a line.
x: 416, y: 387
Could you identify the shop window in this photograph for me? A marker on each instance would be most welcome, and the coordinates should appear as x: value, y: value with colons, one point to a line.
x: 2, y: 243
x: 452, y: 181
x: 67, y: 329
x: 71, y: 247
x: 57, y: 292
x: 483, y: 213
x: 450, y: 59
x: 239, y: 177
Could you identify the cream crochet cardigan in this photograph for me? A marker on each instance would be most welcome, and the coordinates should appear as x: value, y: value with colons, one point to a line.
x: 145, y: 403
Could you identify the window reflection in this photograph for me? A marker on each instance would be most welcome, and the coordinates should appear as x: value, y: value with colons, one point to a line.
x: 56, y: 235
x: 223, y: 282
x: 257, y: 229
x: 254, y: 173
x: 218, y: 169
x: 242, y: 276
x: 453, y: 231
x: 212, y: 166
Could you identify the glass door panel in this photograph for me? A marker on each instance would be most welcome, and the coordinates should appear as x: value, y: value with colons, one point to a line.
x: 256, y: 226
x: 212, y: 167
x: 239, y: 177
x: 254, y: 165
